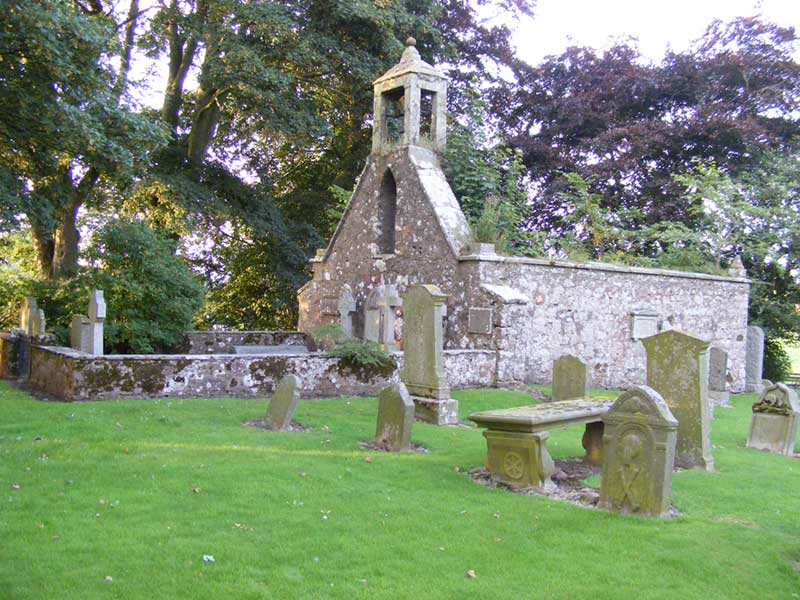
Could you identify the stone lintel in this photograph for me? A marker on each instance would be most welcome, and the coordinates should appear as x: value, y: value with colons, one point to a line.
x: 543, y: 417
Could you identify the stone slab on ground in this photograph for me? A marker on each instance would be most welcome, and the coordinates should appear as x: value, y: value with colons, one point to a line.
x: 271, y: 350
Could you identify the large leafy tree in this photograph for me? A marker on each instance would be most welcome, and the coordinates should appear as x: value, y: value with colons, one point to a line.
x: 628, y: 127
x: 65, y: 136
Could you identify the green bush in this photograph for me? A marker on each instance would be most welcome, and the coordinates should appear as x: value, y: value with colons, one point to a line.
x: 777, y: 364
x: 327, y: 337
x: 364, y: 355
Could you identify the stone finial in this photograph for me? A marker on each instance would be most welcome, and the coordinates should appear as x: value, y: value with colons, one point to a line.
x: 737, y: 268
x: 411, y: 41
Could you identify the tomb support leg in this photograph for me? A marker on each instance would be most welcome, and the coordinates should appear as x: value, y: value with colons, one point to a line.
x: 592, y: 442
x: 518, y: 459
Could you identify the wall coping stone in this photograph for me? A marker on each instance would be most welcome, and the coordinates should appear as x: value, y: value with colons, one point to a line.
x: 598, y: 266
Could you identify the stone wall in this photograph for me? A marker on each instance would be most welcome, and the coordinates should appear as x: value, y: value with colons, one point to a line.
x: 598, y: 312
x: 70, y: 375
x: 222, y: 342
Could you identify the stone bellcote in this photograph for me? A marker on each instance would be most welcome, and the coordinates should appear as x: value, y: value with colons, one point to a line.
x: 409, y: 105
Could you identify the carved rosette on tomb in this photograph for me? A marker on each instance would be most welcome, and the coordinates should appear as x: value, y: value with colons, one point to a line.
x: 639, y: 449
x: 773, y: 426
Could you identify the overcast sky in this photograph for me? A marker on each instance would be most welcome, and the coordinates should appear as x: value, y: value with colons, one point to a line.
x: 657, y: 25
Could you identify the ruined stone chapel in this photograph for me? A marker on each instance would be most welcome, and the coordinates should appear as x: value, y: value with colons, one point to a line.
x: 403, y: 226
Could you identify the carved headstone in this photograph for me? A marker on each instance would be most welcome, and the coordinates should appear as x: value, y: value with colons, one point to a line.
x: 79, y: 333
x: 28, y: 314
x: 423, y: 363
x: 97, y: 315
x: 718, y: 394
x: 379, y: 316
x: 571, y: 378
x: 774, y: 423
x: 639, y: 453
x: 754, y: 359
x: 677, y: 368
x: 395, y: 418
x: 283, y: 404
x: 346, y: 308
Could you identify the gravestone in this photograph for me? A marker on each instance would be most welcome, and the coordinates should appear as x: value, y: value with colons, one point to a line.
x: 395, y: 418
x: 346, y: 307
x: 754, y: 359
x: 97, y: 315
x: 773, y: 426
x: 677, y: 368
x: 423, y: 361
x: 283, y: 404
x: 79, y: 333
x: 571, y: 378
x: 718, y: 394
x: 28, y: 315
x: 39, y: 323
x: 379, y: 316
x: 639, y: 453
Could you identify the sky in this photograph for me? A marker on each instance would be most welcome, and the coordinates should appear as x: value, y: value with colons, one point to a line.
x: 558, y: 24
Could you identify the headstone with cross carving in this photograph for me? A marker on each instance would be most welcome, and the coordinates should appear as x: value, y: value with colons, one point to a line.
x: 379, y: 316
x: 639, y: 440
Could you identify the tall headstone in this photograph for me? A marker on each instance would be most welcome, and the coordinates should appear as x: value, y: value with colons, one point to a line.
x: 346, y: 306
x: 283, y: 404
x: 718, y: 394
x: 774, y: 423
x: 79, y: 333
x: 395, y: 418
x: 39, y: 323
x: 28, y: 314
x: 754, y: 359
x: 677, y: 368
x: 97, y: 315
x: 571, y: 378
x: 639, y: 452
x: 379, y: 316
x: 423, y: 350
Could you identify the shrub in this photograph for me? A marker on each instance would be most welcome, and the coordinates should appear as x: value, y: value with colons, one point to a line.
x: 777, y: 364
x: 364, y: 355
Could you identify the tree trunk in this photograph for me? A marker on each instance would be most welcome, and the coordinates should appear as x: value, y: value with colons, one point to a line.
x: 65, y: 242
x: 43, y: 245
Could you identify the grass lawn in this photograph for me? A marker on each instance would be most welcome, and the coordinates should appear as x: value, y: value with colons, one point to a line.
x: 141, y: 490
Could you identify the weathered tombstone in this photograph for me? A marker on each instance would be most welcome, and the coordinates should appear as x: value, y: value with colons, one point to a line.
x: 639, y: 450
x: 39, y: 323
x: 395, y: 418
x: 423, y: 361
x: 718, y: 394
x: 97, y: 314
x: 677, y: 368
x: 774, y: 423
x: 79, y: 333
x: 754, y: 359
x: 283, y: 404
x: 346, y: 307
x: 379, y: 316
x: 28, y: 315
x: 571, y: 378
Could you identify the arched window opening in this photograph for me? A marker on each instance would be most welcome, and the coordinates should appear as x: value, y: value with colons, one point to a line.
x: 387, y: 213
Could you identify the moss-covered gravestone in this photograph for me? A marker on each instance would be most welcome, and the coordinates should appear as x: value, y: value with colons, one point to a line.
x: 718, y: 394
x: 774, y: 423
x: 677, y: 368
x: 639, y: 450
x: 283, y: 404
x: 395, y: 418
x: 570, y: 378
x: 423, y: 357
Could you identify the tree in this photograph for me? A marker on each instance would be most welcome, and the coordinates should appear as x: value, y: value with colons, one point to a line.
x: 628, y: 127
x: 65, y: 139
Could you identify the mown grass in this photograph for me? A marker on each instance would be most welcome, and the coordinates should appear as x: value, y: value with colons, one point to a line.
x: 794, y: 356
x: 141, y: 490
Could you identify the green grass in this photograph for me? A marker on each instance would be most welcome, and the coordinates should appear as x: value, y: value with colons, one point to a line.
x: 141, y: 490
